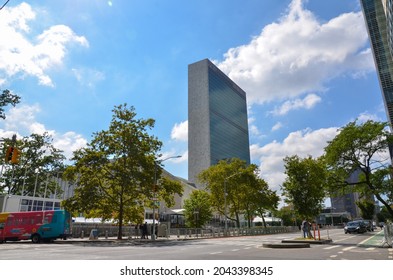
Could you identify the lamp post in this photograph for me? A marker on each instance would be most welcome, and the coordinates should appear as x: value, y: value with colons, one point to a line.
x: 153, y: 235
x: 225, y: 201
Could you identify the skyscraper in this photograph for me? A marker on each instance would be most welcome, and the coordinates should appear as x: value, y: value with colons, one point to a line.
x: 217, y: 119
x: 378, y: 18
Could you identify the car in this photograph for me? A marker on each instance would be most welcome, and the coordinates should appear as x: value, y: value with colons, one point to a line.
x: 355, y: 227
x: 369, y: 225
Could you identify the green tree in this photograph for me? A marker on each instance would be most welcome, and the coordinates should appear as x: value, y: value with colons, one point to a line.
x: 236, y: 183
x: 288, y: 216
x: 364, y: 148
x: 225, y: 184
x: 7, y: 98
x: 40, y: 163
x: 197, y: 209
x: 115, y: 173
x: 367, y: 208
x: 304, y: 186
x: 263, y: 199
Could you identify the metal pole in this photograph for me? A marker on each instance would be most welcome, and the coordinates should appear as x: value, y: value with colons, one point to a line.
x: 153, y: 236
x: 225, y: 205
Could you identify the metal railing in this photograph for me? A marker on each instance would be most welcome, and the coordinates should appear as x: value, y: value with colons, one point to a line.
x: 105, y: 230
x: 388, y: 235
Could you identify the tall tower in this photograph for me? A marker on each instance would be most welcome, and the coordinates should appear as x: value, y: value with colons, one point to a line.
x: 217, y: 119
x: 378, y: 18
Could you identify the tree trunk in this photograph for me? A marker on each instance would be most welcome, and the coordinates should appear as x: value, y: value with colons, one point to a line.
x: 264, y: 222
x: 120, y: 231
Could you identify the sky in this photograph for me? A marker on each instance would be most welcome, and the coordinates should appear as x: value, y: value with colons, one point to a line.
x: 306, y: 66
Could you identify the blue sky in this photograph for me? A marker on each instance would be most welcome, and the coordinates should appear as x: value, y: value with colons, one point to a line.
x: 306, y: 66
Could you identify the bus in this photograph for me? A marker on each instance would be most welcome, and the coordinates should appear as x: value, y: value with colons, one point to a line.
x: 35, y: 225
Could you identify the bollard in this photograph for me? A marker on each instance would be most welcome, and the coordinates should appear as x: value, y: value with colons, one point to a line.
x: 82, y: 234
x: 106, y: 234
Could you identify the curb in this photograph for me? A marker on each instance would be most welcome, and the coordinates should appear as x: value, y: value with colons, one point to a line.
x: 287, y: 245
x: 311, y: 241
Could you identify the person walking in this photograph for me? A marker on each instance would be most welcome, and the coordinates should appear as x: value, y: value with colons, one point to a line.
x: 305, y: 228
x: 144, y: 231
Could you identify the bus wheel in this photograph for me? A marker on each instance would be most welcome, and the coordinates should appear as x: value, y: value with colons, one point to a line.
x: 36, y: 238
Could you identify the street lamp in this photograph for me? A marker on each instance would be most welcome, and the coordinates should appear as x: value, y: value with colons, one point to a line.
x: 153, y: 235
x: 225, y: 201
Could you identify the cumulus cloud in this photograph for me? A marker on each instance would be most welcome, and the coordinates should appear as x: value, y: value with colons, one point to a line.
x: 302, y: 143
x: 180, y: 131
x: 21, y: 55
x: 21, y: 120
x: 296, y: 55
x: 306, y: 103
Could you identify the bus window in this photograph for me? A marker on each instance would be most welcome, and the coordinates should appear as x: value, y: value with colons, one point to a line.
x: 1, y: 225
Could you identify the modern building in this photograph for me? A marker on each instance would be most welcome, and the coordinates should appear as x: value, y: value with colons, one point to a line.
x: 217, y: 119
x: 379, y: 23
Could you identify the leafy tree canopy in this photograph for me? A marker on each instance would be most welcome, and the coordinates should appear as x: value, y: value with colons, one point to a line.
x: 39, y: 163
x: 7, y: 98
x: 361, y: 148
x: 236, y: 183
x: 304, y: 186
x: 198, y: 210
x: 116, y: 172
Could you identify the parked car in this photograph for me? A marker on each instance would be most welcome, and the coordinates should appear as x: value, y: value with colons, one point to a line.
x: 355, y: 226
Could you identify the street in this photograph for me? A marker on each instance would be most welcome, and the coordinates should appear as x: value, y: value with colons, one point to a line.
x: 365, y: 246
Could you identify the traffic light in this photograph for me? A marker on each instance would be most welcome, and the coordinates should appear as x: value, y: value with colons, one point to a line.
x: 12, y: 155
x: 8, y: 154
x: 15, y: 156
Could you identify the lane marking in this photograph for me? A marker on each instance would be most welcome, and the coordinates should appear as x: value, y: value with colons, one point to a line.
x: 331, y: 247
x: 349, y: 248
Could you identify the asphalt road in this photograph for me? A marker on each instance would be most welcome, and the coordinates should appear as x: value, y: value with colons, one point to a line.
x: 365, y: 246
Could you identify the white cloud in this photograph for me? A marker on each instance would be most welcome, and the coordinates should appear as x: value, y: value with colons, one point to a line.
x: 21, y: 55
x: 88, y: 77
x: 306, y: 103
x: 366, y: 116
x: 302, y: 143
x: 253, y: 129
x: 298, y: 54
x: 21, y: 120
x: 277, y: 126
x: 180, y: 131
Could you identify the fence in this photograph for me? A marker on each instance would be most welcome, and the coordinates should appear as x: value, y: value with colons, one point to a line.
x: 388, y: 235
x: 106, y: 230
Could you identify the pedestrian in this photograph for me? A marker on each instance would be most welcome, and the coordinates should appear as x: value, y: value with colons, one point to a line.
x: 144, y: 231
x: 305, y: 228
x: 137, y: 231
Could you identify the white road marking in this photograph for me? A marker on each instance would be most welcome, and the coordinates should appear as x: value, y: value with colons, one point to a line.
x: 349, y: 248
x: 331, y: 247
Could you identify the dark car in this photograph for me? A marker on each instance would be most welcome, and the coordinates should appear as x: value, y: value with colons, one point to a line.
x: 355, y: 226
x: 369, y: 225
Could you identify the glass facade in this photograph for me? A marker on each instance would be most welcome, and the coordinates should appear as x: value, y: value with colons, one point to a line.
x: 217, y: 119
x: 228, y: 120
x: 378, y: 21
